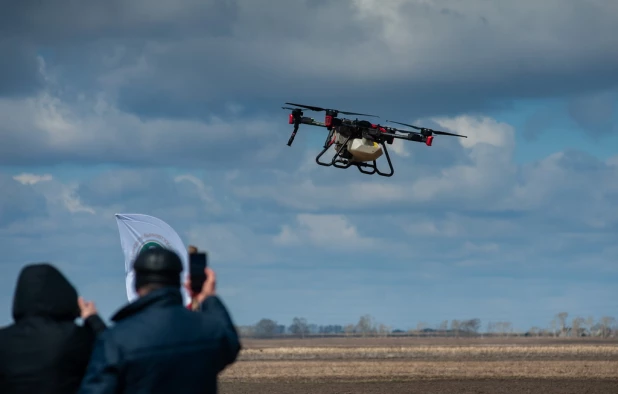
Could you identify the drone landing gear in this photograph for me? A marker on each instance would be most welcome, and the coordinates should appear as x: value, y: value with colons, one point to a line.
x: 341, y: 161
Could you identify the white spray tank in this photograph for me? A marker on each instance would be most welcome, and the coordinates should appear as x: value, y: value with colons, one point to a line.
x: 364, y: 149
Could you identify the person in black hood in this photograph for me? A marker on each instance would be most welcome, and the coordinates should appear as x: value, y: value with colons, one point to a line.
x: 44, y: 351
x: 158, y: 345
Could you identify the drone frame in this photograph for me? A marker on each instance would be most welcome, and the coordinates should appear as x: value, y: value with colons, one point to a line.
x: 339, y: 161
x: 296, y: 118
x: 331, y: 121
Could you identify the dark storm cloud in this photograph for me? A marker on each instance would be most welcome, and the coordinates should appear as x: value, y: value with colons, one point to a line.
x: 424, y: 57
x: 138, y: 82
x: 70, y: 22
x: 19, y: 69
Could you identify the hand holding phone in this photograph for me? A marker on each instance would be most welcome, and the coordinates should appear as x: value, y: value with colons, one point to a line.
x: 198, y: 262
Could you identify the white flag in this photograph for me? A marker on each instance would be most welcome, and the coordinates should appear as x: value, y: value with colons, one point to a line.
x: 139, y: 232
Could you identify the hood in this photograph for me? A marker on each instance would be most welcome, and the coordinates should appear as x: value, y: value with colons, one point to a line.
x: 42, y: 290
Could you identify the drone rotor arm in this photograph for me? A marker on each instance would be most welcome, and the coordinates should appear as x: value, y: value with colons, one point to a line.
x: 416, y: 137
x: 356, y: 113
x: 405, y: 124
x: 309, y: 107
x: 320, y: 109
x: 394, y: 130
x: 445, y: 133
x: 431, y: 131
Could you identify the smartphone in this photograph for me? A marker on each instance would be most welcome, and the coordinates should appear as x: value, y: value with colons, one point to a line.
x: 197, y: 264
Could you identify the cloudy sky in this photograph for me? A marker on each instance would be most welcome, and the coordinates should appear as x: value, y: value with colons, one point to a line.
x: 173, y: 109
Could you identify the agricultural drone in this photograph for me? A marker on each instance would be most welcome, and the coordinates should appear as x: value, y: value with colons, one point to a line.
x: 358, y: 142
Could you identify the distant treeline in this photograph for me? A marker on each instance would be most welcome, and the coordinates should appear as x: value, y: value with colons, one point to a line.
x: 560, y: 326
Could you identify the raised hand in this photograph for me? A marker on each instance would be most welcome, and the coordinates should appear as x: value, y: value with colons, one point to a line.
x: 208, y: 288
x: 87, y: 308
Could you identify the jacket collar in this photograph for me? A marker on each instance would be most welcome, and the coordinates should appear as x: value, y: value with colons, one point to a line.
x: 168, y: 296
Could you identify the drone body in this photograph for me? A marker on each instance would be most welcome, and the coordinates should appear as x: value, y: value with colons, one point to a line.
x: 357, y: 143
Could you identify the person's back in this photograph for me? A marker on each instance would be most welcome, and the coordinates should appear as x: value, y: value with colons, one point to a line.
x: 44, y: 351
x: 159, y: 346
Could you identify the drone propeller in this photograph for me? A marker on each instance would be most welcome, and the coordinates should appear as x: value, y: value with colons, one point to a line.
x: 430, y: 131
x: 319, y: 109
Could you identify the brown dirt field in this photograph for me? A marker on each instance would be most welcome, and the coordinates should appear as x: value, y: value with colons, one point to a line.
x: 434, y: 365
x: 491, y: 386
x: 376, y: 370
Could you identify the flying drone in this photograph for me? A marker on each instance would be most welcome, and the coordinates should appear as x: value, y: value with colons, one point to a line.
x: 357, y: 142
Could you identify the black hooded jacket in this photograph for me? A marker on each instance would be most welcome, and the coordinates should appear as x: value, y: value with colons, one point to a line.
x: 44, y: 351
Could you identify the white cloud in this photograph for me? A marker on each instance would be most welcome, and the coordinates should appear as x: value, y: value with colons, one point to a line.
x: 204, y: 192
x: 50, y: 128
x: 335, y: 216
x: 304, y: 194
x: 74, y: 205
x: 487, y: 173
x: 461, y: 214
x: 426, y: 227
x: 287, y: 236
x: 31, y: 179
x: 332, y: 232
x: 399, y: 147
x: 58, y: 194
x: 479, y: 130
x: 252, y: 202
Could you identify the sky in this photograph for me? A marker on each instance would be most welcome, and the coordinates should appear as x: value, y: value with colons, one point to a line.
x: 173, y: 109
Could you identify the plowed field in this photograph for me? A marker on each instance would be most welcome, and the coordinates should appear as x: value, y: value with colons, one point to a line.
x: 392, y: 365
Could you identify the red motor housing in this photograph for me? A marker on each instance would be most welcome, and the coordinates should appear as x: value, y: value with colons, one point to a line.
x: 429, y: 140
x: 328, y: 120
x: 291, y: 119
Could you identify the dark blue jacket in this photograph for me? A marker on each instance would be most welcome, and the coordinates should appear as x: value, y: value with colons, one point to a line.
x: 159, y: 346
